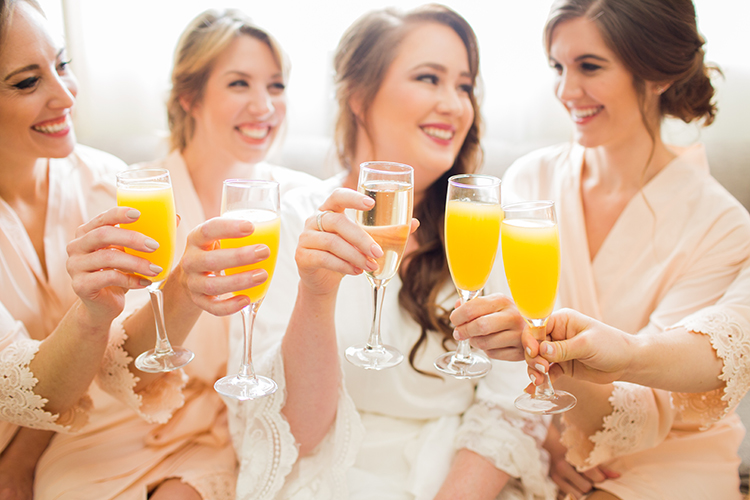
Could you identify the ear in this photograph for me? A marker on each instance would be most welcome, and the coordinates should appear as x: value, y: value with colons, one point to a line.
x: 660, y: 87
x: 185, y: 104
x: 355, y: 104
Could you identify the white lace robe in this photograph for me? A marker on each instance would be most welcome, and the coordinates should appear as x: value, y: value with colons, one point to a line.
x: 396, y: 431
x: 673, y: 252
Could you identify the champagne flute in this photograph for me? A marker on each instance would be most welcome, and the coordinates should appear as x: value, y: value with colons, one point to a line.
x: 472, y: 234
x: 391, y: 185
x: 531, y: 256
x: 150, y: 192
x: 257, y: 202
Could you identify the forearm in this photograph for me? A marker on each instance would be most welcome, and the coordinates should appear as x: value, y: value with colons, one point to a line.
x: 180, y: 315
x: 675, y: 360
x: 25, y: 448
x: 592, y: 406
x: 69, y: 359
x: 311, y: 369
x: 472, y: 477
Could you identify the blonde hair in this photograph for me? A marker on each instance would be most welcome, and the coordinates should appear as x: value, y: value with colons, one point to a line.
x: 203, y: 41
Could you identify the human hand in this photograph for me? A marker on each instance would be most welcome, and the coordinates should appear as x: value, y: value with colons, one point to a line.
x: 203, y: 262
x: 16, y: 483
x: 100, y: 270
x: 491, y: 323
x: 332, y: 245
x: 581, y: 348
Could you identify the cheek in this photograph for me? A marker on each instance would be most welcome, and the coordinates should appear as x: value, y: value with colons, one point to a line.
x: 279, y: 105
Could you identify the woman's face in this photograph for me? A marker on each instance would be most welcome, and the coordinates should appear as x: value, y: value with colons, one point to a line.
x: 422, y: 112
x: 37, y: 90
x: 595, y: 87
x: 243, y: 104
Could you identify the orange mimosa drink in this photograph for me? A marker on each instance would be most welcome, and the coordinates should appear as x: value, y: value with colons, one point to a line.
x: 267, y: 228
x: 155, y: 201
x: 531, y: 256
x: 472, y: 233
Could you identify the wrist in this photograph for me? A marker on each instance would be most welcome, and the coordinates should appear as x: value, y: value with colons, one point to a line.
x: 636, y: 356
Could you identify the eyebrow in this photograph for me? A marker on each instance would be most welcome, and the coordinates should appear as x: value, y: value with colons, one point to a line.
x: 439, y: 67
x: 30, y: 67
x: 591, y: 56
x: 245, y: 75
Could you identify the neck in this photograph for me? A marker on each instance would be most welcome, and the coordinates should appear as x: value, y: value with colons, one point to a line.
x: 208, y: 169
x: 626, y: 166
x: 23, y: 179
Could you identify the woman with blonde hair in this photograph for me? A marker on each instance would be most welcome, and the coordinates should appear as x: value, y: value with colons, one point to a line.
x: 406, y: 87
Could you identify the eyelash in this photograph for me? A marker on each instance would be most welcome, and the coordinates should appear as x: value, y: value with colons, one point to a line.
x: 585, y: 67
x: 31, y: 82
x: 433, y: 79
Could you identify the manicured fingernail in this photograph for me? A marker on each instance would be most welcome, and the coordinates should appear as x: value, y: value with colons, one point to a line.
x: 155, y: 269
x: 151, y: 244
x: 259, y: 275
x: 548, y: 349
x: 377, y: 252
x: 246, y: 227
x: 533, y: 378
x: 133, y: 213
x: 456, y: 335
x: 368, y: 201
x: 262, y: 252
x: 540, y: 368
x: 528, y: 351
x: 144, y: 282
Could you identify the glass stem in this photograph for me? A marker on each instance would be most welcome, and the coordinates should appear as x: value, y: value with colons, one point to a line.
x: 374, y: 341
x: 248, y: 321
x: 157, y: 304
x: 463, y: 348
x: 544, y: 390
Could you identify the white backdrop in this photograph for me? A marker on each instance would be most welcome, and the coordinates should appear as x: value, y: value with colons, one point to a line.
x: 122, y: 54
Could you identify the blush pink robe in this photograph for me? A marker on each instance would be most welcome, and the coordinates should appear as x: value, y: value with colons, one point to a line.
x: 675, y: 249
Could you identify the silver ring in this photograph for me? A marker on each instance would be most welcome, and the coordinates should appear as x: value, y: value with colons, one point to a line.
x: 319, y: 220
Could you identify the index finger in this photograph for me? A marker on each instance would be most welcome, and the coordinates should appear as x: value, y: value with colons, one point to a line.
x: 478, y: 307
x: 111, y: 217
x: 206, y: 234
x: 343, y: 198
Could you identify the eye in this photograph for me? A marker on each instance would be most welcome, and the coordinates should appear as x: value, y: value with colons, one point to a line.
x: 62, y: 67
x: 428, y: 77
x: 589, y: 67
x: 27, y: 83
x: 467, y: 88
x: 239, y: 83
x: 276, y: 88
x: 557, y: 67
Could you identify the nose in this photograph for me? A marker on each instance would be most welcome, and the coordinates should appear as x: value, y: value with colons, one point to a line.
x: 567, y: 86
x: 260, y: 103
x: 64, y: 90
x: 450, y: 102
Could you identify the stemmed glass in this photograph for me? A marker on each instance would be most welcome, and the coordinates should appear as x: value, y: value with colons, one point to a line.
x: 391, y: 185
x: 257, y: 202
x: 150, y: 192
x: 531, y: 256
x: 472, y: 234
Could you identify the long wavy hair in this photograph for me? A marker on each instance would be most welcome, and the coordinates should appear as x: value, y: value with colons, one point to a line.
x: 362, y: 59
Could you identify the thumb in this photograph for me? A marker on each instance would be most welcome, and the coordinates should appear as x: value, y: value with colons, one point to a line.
x: 562, y: 350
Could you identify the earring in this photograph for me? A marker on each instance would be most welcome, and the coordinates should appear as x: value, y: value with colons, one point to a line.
x: 661, y: 89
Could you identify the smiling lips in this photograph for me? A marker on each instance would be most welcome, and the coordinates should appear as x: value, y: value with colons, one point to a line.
x: 441, y: 133
x: 56, y: 127
x: 582, y: 115
x: 256, y: 132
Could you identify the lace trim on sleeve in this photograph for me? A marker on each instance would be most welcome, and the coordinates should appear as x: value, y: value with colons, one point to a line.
x: 621, y: 432
x: 20, y: 406
x: 512, y: 443
x: 154, y: 403
x: 733, y: 347
x: 268, y: 451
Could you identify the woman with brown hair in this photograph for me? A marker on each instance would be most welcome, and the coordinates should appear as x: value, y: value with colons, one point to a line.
x: 407, y: 93
x: 649, y: 240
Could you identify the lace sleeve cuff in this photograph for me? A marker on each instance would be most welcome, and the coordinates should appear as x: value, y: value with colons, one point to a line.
x: 268, y: 451
x: 622, y: 431
x: 732, y: 345
x: 20, y: 405
x: 512, y: 443
x: 156, y: 402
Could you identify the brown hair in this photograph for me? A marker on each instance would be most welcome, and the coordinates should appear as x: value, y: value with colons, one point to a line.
x: 203, y: 40
x: 362, y: 59
x: 657, y: 41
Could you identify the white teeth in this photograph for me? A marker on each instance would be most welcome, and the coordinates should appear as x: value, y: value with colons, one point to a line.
x: 585, y: 113
x: 255, y: 132
x: 439, y: 133
x: 52, y: 129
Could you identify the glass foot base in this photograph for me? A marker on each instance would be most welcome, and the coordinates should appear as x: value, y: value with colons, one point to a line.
x: 373, y: 358
x: 244, y: 388
x: 475, y: 366
x: 153, y: 362
x: 560, y: 402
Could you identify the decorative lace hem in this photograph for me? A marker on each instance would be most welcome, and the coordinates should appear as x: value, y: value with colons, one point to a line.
x: 622, y: 430
x: 732, y: 346
x: 156, y: 402
x: 512, y: 444
x: 20, y: 405
x: 268, y: 453
x: 212, y: 486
